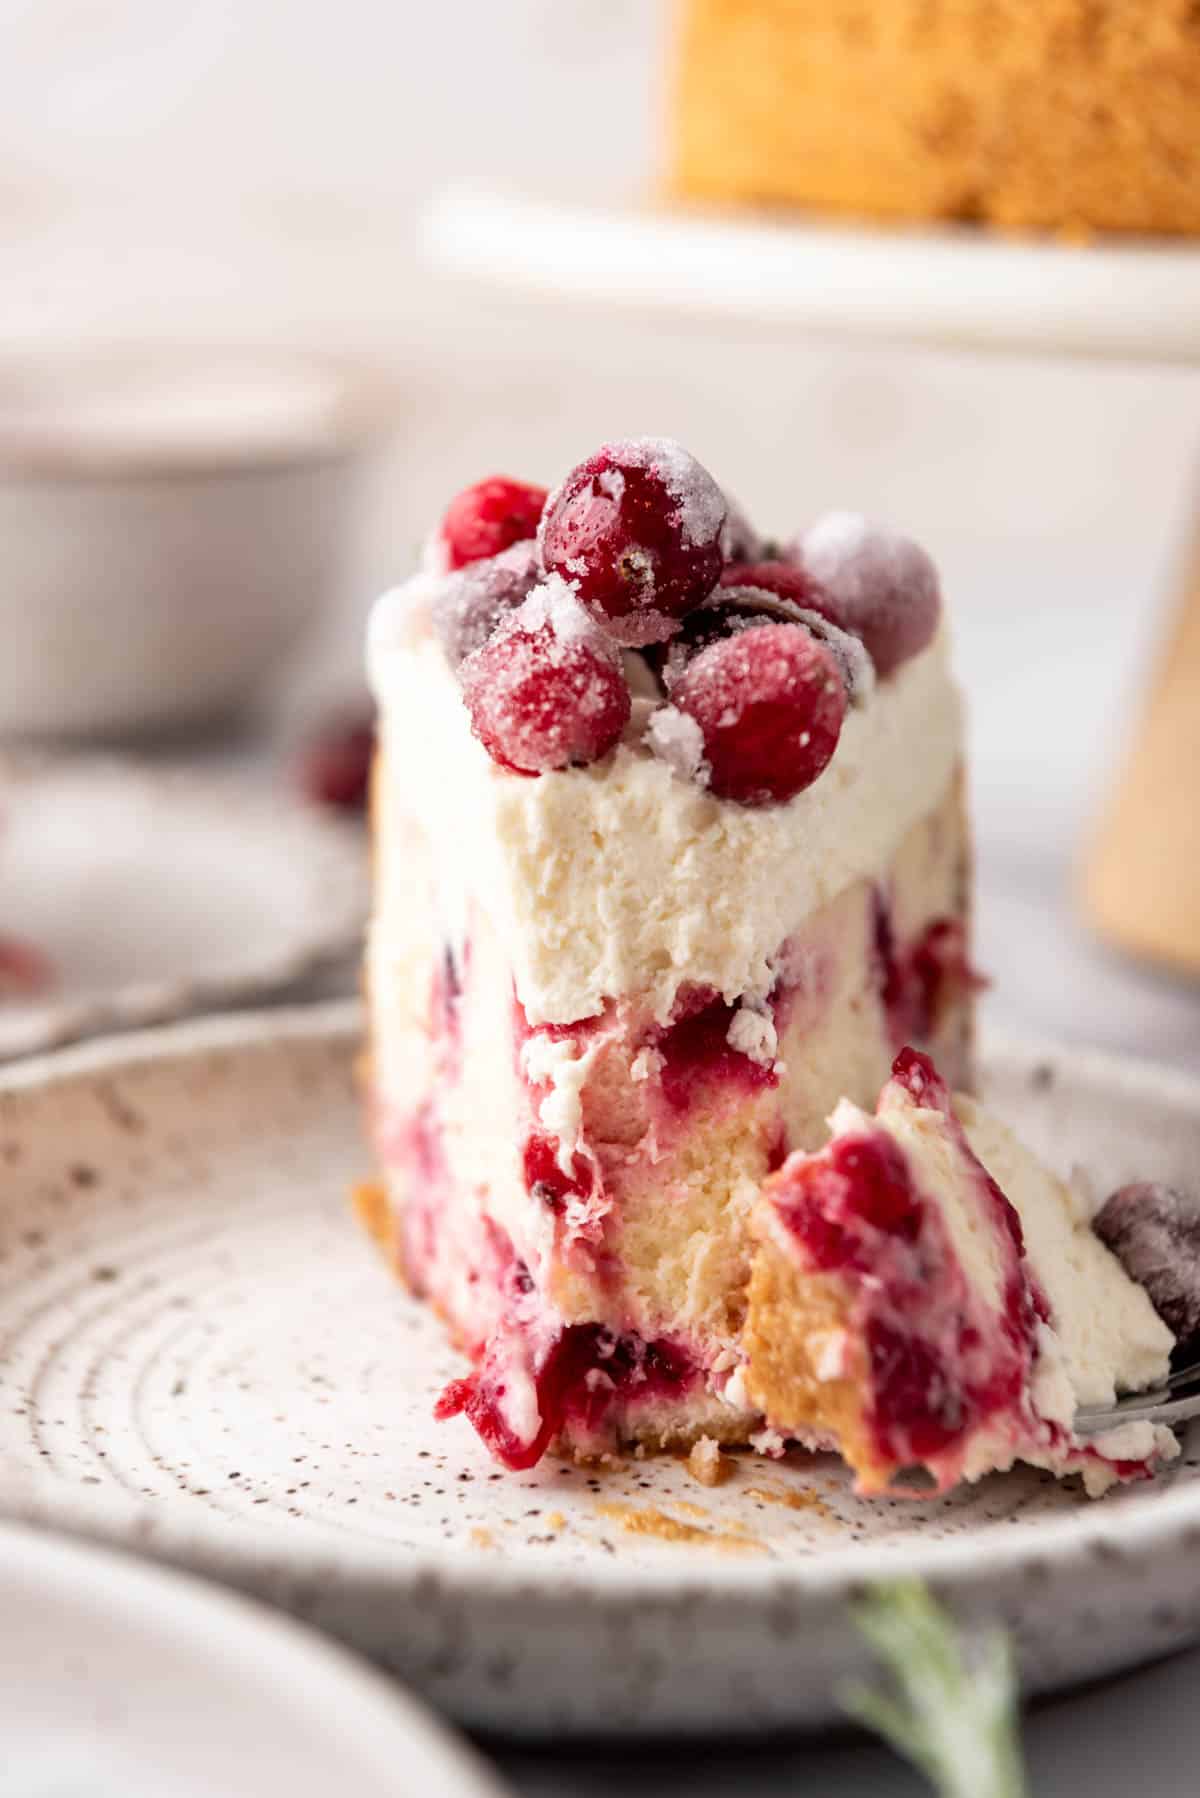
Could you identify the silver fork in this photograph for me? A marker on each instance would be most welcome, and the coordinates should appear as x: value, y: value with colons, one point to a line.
x: 1174, y: 1402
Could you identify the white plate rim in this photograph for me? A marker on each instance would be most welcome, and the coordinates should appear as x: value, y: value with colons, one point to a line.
x: 1132, y: 299
x: 377, y: 1710
x: 1142, y: 1524
x: 333, y: 841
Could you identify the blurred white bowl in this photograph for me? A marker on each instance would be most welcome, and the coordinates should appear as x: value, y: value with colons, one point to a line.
x: 169, y: 524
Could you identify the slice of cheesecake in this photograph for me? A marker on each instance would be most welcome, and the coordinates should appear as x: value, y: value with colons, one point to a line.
x: 670, y: 856
x: 927, y: 1296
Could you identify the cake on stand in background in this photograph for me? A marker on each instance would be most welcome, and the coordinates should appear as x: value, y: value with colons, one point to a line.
x: 1064, y: 116
x: 827, y: 162
x: 1060, y: 115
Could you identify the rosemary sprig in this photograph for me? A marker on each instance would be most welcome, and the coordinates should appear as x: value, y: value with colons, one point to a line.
x: 952, y: 1706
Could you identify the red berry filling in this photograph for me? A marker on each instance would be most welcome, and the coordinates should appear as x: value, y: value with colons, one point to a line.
x: 488, y: 517
x: 918, y: 982
x: 696, y: 1052
x: 584, y: 1372
x: 416, y: 1145
x: 544, y: 1177
x: 542, y: 695
x: 770, y: 705
x: 941, y: 1362
x: 636, y: 530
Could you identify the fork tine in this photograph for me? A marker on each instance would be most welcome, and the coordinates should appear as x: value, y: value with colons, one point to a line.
x: 1174, y: 1403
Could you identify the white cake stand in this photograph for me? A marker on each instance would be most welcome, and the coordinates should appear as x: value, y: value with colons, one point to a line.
x: 950, y: 285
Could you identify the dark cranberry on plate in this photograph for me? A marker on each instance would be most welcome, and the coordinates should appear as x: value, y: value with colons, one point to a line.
x: 335, y: 765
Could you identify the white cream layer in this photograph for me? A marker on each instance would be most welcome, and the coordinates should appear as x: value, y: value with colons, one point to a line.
x: 623, y: 877
x: 1109, y: 1336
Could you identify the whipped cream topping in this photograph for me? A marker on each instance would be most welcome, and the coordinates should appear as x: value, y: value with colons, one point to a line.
x: 1109, y: 1337
x: 624, y: 877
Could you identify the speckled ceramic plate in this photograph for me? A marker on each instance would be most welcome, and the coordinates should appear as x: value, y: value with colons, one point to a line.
x: 147, y: 1684
x: 153, y: 892
x: 202, y: 1358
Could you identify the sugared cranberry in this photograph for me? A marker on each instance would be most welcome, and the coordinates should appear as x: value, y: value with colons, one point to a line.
x: 468, y: 604
x: 770, y: 704
x: 547, y: 690
x: 488, y: 517
x: 785, y: 580
x: 878, y: 584
x: 1154, y: 1231
x: 636, y: 529
x: 335, y: 768
x: 754, y: 592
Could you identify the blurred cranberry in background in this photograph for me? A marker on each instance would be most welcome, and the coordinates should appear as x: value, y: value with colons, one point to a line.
x: 335, y: 765
x: 24, y: 970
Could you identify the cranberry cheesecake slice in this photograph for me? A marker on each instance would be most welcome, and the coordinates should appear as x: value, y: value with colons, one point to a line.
x: 670, y: 856
x: 927, y: 1296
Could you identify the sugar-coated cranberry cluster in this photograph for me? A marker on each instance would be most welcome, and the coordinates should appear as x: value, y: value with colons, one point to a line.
x: 756, y: 652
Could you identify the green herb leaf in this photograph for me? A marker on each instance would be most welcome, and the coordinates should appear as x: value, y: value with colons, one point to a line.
x: 952, y: 1709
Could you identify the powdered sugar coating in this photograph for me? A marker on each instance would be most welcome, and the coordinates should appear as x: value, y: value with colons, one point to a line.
x: 770, y: 704
x: 848, y: 651
x: 553, y: 605
x: 467, y: 604
x: 883, y: 586
x: 701, y: 504
x: 1154, y: 1231
x: 678, y: 740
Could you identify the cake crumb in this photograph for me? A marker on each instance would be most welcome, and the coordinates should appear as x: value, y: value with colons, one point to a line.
x: 556, y: 1521
x: 483, y: 1538
x: 706, y: 1463
x: 796, y: 1498
x: 752, y: 1033
x: 370, y: 1201
x: 652, y: 1522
